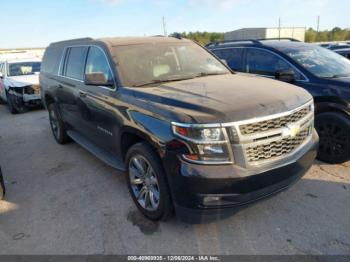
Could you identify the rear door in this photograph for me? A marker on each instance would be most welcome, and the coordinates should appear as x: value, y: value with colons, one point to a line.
x: 69, y: 84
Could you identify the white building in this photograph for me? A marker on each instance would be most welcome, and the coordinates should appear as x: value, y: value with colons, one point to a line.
x: 21, y: 53
x: 297, y: 33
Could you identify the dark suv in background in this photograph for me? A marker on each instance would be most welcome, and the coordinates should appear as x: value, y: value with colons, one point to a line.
x: 325, y: 74
x: 189, y: 133
x: 344, y: 52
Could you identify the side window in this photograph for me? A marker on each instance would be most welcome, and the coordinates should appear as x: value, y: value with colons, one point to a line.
x: 233, y: 57
x: 265, y: 63
x: 75, y: 61
x: 97, y: 63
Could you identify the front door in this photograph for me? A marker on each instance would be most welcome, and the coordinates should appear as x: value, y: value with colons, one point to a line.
x: 266, y: 63
x: 99, y: 111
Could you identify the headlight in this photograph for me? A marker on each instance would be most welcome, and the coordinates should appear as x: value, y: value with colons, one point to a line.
x: 208, y: 144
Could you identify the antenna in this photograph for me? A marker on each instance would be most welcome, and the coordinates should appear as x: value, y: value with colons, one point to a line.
x: 164, y: 27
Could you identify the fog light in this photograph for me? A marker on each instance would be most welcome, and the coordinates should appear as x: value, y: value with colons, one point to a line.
x: 210, y: 149
x: 211, y: 200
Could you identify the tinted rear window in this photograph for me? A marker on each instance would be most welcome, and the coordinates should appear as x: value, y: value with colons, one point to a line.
x: 51, y: 60
x: 75, y: 62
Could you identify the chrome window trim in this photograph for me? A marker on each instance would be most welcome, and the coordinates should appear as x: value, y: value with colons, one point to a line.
x: 64, y: 54
x: 306, y: 79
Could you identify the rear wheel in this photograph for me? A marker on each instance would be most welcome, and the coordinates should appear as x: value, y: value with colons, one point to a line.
x: 334, y: 132
x: 147, y: 183
x: 57, y: 126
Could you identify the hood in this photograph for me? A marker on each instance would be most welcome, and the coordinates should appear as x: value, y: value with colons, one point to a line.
x: 222, y: 98
x: 21, y: 81
x: 344, y: 80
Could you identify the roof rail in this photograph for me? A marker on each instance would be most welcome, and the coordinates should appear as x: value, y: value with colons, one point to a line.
x: 73, y: 40
x: 280, y: 38
x: 253, y: 41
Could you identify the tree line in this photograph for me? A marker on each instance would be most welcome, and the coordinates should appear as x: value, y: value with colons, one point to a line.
x: 311, y: 35
x: 336, y: 34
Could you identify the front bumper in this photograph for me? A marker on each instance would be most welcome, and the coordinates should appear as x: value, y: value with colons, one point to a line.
x: 32, y: 98
x: 203, y: 193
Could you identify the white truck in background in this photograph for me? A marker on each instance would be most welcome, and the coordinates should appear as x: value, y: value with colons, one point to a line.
x: 19, y: 84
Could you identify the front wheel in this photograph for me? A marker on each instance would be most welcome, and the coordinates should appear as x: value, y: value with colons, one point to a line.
x: 15, y: 104
x: 147, y: 183
x: 333, y: 129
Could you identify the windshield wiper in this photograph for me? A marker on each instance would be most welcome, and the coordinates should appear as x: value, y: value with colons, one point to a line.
x: 209, y: 74
x: 337, y: 76
x: 158, y: 81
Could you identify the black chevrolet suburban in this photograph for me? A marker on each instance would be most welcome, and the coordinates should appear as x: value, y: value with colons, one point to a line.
x: 191, y: 136
x: 323, y: 73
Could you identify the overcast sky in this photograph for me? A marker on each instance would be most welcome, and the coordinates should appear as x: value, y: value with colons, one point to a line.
x: 36, y: 23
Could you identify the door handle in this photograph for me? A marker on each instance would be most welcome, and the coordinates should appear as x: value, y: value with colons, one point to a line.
x: 60, y: 86
x: 82, y: 93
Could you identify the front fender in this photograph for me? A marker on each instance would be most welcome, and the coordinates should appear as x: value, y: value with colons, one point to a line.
x: 326, y: 104
x: 154, y: 130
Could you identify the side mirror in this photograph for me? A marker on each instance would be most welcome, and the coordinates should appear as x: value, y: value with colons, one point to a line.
x: 97, y: 79
x: 1, y: 75
x: 285, y: 76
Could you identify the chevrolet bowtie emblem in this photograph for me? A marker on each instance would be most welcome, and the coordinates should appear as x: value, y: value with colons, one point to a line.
x: 293, y: 130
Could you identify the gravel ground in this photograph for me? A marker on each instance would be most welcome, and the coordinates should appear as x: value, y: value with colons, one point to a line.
x: 62, y: 200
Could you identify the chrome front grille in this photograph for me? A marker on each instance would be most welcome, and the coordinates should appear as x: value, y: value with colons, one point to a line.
x: 276, y: 148
x: 273, y: 138
x: 275, y: 123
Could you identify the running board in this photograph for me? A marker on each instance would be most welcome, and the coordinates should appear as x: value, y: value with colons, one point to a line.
x: 105, y: 156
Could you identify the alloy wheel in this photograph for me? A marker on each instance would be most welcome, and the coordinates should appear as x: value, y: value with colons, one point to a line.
x: 144, y: 183
x: 333, y: 140
x: 54, y: 122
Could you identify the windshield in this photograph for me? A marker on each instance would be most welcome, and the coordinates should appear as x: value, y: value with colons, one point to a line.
x: 144, y: 64
x: 320, y: 61
x: 24, y: 68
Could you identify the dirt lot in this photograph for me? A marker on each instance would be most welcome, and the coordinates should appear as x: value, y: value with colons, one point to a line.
x: 62, y: 200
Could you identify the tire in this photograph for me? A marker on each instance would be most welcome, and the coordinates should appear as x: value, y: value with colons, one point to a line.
x: 150, y: 184
x: 2, y: 186
x: 334, y: 131
x: 10, y: 104
x: 57, y: 126
x: 2, y: 194
x: 2, y: 101
x: 14, y: 106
